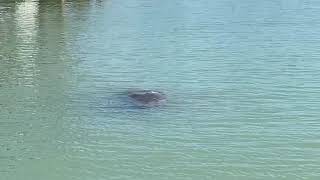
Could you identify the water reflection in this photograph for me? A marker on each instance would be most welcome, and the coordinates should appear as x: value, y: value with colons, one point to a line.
x: 35, y: 77
x: 26, y: 32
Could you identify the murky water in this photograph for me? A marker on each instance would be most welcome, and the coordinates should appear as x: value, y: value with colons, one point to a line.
x: 242, y: 80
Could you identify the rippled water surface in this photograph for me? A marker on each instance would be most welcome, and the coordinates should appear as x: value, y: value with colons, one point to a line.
x: 242, y: 80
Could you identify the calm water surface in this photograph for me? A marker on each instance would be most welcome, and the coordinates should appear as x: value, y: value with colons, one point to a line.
x: 242, y: 78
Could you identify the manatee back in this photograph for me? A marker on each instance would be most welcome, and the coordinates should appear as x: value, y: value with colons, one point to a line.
x: 147, y: 98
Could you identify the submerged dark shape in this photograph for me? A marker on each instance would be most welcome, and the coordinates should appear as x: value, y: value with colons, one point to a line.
x: 147, y: 98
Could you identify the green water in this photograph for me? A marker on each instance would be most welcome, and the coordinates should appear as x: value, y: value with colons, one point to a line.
x: 242, y: 80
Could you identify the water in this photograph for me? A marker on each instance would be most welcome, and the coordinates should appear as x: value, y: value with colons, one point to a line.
x: 242, y: 79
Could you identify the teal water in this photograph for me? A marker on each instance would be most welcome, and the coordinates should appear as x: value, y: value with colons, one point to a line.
x: 242, y: 80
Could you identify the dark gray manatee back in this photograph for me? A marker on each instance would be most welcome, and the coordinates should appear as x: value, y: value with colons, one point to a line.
x: 147, y: 98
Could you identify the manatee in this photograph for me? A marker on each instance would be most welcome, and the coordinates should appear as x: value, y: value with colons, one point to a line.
x: 147, y: 98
